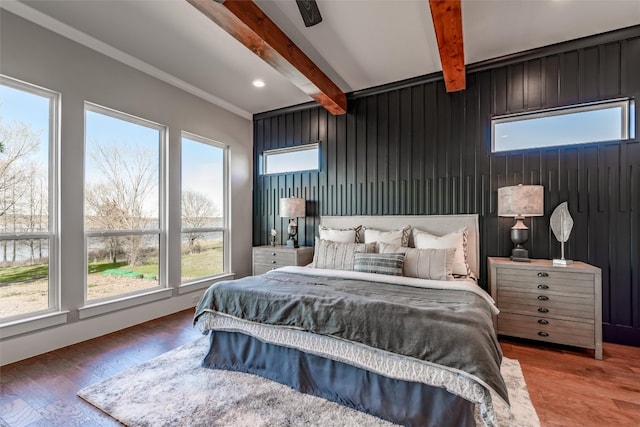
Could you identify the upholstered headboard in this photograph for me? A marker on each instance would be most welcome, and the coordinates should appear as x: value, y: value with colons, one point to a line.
x: 435, y: 224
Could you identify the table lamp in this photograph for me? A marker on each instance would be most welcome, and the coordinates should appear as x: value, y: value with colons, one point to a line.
x: 519, y: 202
x: 292, y: 208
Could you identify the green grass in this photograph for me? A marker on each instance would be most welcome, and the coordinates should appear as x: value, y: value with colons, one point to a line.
x: 205, y: 263
x: 26, y: 273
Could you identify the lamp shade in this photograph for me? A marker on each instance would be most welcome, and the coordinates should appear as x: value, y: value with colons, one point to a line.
x: 520, y: 201
x: 292, y: 207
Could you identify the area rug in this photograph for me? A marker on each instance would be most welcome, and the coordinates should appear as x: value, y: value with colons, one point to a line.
x: 174, y: 390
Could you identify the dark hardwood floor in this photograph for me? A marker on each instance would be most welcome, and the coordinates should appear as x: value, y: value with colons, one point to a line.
x: 568, y: 387
x: 41, y: 391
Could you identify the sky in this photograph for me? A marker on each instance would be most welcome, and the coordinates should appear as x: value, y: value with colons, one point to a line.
x: 204, y: 173
x: 18, y: 105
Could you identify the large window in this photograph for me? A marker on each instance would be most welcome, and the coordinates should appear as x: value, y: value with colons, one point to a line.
x: 123, y: 215
x: 612, y: 120
x: 204, y: 208
x: 28, y: 141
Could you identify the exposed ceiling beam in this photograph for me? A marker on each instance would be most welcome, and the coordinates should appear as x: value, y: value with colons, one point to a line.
x: 447, y: 21
x: 246, y: 22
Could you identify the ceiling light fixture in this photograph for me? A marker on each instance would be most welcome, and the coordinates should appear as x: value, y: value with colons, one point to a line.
x: 258, y: 83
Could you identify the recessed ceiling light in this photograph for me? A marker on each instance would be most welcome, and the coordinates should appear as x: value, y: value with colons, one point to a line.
x: 258, y: 83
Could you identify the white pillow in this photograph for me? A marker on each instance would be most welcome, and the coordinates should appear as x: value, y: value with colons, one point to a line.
x: 456, y: 240
x: 337, y: 255
x: 423, y: 263
x: 396, y: 237
x: 345, y: 235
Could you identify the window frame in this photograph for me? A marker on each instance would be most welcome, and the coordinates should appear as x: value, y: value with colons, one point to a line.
x: 627, y: 124
x: 226, y: 210
x: 53, y: 230
x: 264, y: 158
x: 90, y: 305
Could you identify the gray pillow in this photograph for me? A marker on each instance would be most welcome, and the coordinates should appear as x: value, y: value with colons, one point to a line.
x: 390, y: 264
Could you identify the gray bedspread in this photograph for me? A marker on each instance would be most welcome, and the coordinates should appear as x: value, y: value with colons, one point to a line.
x: 452, y: 328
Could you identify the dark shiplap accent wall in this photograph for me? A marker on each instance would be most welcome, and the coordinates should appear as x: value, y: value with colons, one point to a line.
x: 411, y: 148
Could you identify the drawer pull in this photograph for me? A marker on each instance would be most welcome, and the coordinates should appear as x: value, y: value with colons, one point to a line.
x: 543, y: 286
x: 274, y: 262
x: 543, y: 321
x: 274, y: 253
x: 543, y: 310
x: 543, y: 274
x: 543, y: 298
x: 543, y: 334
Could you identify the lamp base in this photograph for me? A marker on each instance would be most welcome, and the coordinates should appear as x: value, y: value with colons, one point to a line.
x: 562, y: 261
x: 292, y: 243
x: 519, y: 235
x: 520, y: 255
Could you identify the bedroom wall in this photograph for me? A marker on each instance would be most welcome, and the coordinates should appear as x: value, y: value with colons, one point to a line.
x: 411, y: 148
x: 36, y: 55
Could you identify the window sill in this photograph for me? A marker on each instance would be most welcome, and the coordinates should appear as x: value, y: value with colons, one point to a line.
x: 203, y: 284
x: 104, y: 307
x: 23, y: 326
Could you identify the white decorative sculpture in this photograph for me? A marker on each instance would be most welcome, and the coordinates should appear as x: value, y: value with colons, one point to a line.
x: 561, y: 225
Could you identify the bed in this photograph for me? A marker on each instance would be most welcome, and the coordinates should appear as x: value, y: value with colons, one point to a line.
x: 417, y: 351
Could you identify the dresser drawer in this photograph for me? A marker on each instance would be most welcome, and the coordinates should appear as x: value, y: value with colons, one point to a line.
x: 562, y: 282
x: 547, y: 329
x: 262, y: 268
x: 276, y: 257
x: 535, y: 303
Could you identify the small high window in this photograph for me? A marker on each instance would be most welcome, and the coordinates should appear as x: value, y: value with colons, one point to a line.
x: 291, y: 159
x: 611, y: 120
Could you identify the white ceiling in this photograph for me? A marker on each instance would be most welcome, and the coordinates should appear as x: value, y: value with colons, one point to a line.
x: 359, y: 44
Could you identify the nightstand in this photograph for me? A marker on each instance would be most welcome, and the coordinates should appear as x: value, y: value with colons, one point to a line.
x: 546, y: 302
x: 266, y: 258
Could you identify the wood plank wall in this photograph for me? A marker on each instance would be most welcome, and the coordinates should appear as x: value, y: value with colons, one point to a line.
x: 411, y: 148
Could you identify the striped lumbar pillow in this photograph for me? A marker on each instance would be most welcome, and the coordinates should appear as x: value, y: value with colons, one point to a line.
x: 379, y: 263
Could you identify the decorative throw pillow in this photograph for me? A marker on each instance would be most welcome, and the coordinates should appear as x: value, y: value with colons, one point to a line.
x: 338, y: 255
x: 344, y: 235
x: 390, y: 264
x: 396, y: 237
x: 423, y: 263
x: 456, y: 240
